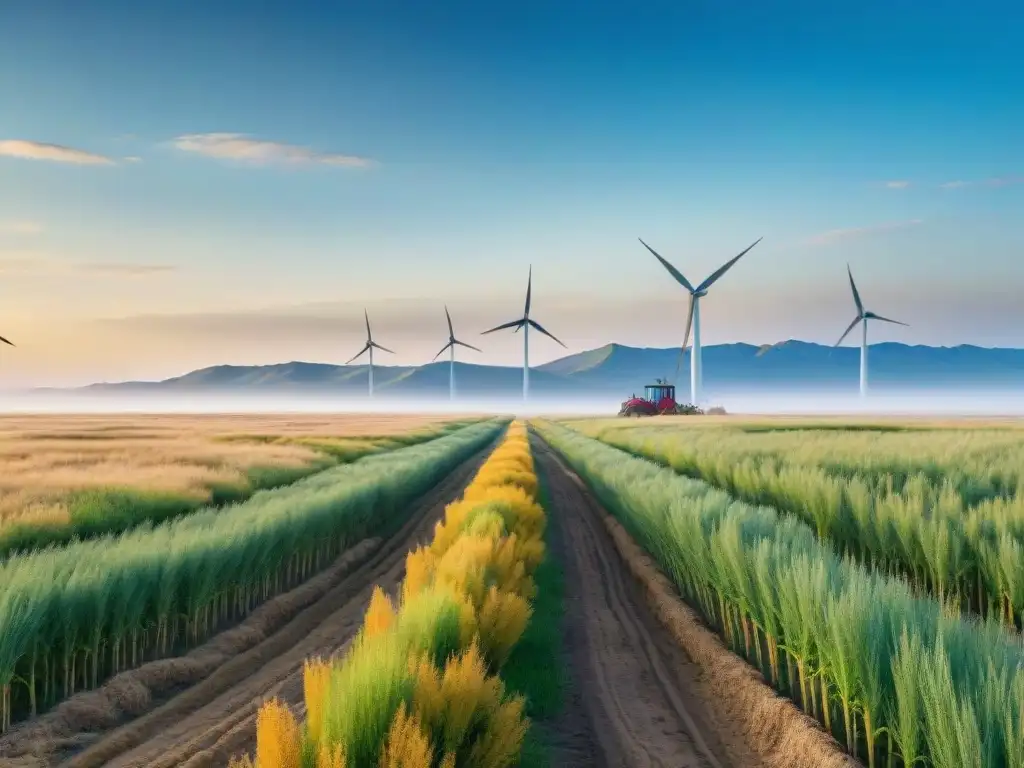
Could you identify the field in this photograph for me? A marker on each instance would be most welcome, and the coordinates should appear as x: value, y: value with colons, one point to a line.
x: 83, y: 475
x: 677, y: 592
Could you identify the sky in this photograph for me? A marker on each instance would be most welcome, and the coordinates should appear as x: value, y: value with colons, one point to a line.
x: 195, y: 183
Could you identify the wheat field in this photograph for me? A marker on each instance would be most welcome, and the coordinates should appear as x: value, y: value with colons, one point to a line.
x: 46, y: 459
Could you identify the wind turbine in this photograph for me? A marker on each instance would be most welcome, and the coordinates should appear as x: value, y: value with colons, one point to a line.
x: 862, y: 317
x: 370, y: 346
x: 525, y: 323
x: 452, y: 341
x: 693, y: 316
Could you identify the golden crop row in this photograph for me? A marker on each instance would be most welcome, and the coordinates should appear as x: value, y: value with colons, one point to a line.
x: 420, y: 681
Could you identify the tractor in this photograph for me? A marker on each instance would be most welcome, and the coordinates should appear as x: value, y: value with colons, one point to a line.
x: 659, y: 400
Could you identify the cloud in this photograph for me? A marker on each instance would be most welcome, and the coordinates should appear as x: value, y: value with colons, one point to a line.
x: 241, y: 148
x: 20, y: 228
x: 132, y: 159
x: 997, y: 181
x: 34, y: 263
x: 897, y: 184
x: 36, y: 150
x: 851, y: 233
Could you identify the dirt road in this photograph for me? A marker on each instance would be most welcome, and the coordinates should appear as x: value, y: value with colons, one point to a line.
x: 635, y: 699
x: 214, y: 719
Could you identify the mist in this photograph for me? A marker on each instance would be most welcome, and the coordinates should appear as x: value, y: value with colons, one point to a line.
x: 950, y: 402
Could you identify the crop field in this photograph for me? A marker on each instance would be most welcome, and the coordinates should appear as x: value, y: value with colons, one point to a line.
x: 479, y: 593
x: 66, y: 476
x: 872, y: 572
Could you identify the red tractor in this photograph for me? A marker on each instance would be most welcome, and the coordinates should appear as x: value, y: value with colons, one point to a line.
x: 658, y: 400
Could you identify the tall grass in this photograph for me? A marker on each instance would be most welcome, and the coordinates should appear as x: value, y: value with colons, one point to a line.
x: 72, y: 616
x: 420, y: 684
x: 98, y: 511
x: 957, y: 535
x: 895, y: 677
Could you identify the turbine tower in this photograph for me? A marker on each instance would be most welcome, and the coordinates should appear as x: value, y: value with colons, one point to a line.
x: 452, y: 341
x: 862, y: 317
x: 370, y: 346
x: 525, y: 323
x: 693, y: 316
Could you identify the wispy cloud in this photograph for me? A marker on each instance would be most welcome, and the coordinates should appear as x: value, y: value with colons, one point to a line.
x: 897, y: 184
x: 35, y: 263
x: 20, y: 227
x: 996, y: 181
x: 132, y: 159
x: 851, y: 233
x: 37, y: 150
x: 241, y: 148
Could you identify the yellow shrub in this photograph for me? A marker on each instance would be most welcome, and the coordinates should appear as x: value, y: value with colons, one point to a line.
x: 316, y: 678
x: 406, y: 745
x: 328, y: 757
x: 419, y: 572
x: 277, y: 737
x: 380, y: 615
x: 501, y: 743
x: 502, y: 621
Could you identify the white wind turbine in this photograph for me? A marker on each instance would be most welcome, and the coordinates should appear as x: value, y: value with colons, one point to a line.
x: 693, y: 316
x: 452, y: 341
x: 525, y: 323
x: 369, y: 347
x: 862, y: 317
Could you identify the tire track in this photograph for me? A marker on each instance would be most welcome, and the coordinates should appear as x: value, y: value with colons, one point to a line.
x: 208, y: 723
x: 642, y: 695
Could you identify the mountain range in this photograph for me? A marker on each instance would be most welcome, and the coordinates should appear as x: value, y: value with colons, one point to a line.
x: 619, y: 370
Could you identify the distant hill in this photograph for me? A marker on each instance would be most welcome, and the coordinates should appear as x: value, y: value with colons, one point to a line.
x: 618, y: 370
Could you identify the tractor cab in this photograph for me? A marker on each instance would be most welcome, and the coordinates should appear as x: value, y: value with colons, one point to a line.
x: 655, y: 393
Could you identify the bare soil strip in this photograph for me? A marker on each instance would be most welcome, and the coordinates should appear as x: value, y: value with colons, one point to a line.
x: 645, y: 700
x: 214, y: 718
x: 729, y: 693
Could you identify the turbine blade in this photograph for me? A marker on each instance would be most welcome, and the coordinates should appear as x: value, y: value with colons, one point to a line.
x: 5, y: 341
x: 856, y: 294
x: 725, y: 267
x: 375, y: 345
x: 442, y: 350
x: 529, y: 290
x: 847, y: 331
x: 451, y: 333
x: 671, y: 270
x: 360, y: 354
x: 541, y: 328
x: 873, y: 316
x: 686, y: 340
x: 503, y: 326
x: 369, y: 336
x: 464, y: 344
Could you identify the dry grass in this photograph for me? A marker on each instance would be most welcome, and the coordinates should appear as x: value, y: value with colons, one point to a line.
x: 48, y: 458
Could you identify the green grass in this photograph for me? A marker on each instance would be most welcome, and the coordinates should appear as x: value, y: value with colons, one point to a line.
x: 534, y: 668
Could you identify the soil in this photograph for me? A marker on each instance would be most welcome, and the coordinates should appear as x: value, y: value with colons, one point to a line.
x: 213, y: 717
x: 634, y: 697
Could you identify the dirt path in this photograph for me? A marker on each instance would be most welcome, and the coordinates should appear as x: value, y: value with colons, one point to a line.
x: 207, y: 724
x: 645, y: 701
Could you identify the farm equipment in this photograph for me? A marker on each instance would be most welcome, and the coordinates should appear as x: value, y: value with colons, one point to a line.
x: 659, y: 400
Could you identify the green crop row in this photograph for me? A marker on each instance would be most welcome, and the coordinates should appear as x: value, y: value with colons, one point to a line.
x: 891, y: 675
x: 103, y: 511
x: 970, y: 557
x: 71, y: 616
x: 980, y: 464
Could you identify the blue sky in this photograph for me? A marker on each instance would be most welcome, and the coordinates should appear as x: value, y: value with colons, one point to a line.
x: 402, y: 155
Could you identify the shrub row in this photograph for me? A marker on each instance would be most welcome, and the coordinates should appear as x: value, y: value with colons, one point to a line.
x: 419, y: 685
